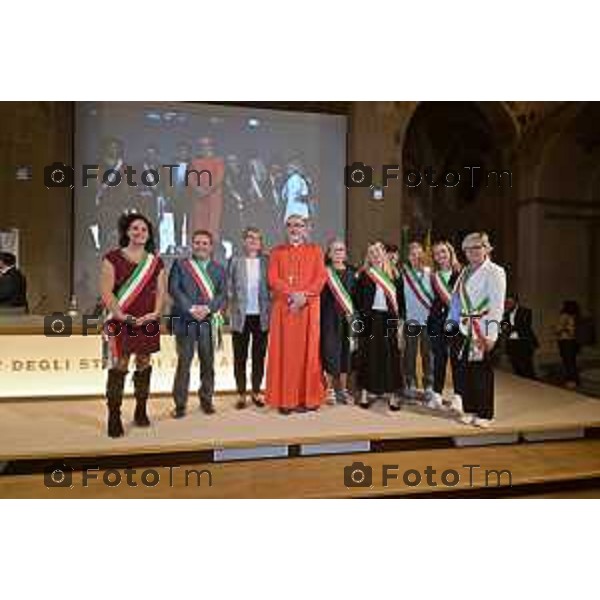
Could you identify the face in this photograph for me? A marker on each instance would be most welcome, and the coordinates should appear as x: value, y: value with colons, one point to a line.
x: 441, y: 255
x: 375, y: 255
x: 138, y: 232
x: 475, y: 253
x: 394, y: 257
x: 183, y: 153
x: 296, y: 230
x: 509, y: 304
x: 415, y: 256
x: 252, y: 242
x: 337, y: 252
x: 202, y: 247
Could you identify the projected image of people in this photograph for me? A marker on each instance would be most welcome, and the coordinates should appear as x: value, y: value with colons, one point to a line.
x: 195, y: 166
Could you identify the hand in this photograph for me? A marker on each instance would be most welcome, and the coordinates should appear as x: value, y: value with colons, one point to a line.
x: 486, y: 344
x: 199, y: 312
x: 153, y: 316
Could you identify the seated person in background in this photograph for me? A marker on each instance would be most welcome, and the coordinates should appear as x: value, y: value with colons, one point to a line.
x: 13, y: 286
x: 521, y: 341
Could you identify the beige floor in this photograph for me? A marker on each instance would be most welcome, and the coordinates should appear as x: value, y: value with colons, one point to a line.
x: 77, y: 427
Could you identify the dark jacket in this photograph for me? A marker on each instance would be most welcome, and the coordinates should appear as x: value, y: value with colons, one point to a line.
x: 523, y: 327
x: 365, y: 294
x: 13, y: 288
x: 185, y: 293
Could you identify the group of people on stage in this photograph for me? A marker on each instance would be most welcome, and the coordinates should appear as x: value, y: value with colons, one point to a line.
x: 313, y: 321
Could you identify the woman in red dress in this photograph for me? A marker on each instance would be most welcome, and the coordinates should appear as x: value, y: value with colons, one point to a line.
x: 133, y: 287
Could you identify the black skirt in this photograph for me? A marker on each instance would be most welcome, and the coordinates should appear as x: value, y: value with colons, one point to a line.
x: 378, y: 359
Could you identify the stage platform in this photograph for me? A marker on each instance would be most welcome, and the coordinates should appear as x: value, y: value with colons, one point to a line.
x: 542, y: 435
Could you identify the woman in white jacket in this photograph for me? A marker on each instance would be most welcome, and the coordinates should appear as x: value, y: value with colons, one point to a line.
x: 478, y: 307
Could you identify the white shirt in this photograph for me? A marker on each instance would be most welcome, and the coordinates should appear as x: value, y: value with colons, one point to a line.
x: 415, y: 311
x: 379, y: 302
x: 511, y: 317
x: 252, y: 278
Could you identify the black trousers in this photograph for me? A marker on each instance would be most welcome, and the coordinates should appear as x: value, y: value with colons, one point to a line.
x: 568, y: 352
x: 241, y: 340
x: 475, y: 384
x: 520, y: 354
x: 443, y: 348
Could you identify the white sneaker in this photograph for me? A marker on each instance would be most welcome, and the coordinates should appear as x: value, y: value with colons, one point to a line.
x: 330, y: 396
x: 456, y: 404
x: 483, y: 423
x: 411, y: 393
x: 435, y: 401
x: 466, y: 419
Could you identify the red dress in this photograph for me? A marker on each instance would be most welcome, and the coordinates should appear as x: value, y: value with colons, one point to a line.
x: 294, y: 372
x: 130, y: 339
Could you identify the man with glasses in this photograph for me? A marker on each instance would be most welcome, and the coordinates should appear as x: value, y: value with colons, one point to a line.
x: 296, y: 277
x: 478, y: 306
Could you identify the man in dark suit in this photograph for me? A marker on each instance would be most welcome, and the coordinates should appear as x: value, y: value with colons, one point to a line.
x: 198, y: 288
x: 521, y: 341
x: 13, y: 286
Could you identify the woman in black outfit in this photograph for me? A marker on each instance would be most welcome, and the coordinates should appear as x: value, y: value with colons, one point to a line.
x: 380, y: 303
x: 337, y: 307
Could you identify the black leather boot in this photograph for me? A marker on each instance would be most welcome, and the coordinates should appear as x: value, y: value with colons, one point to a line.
x: 141, y: 391
x: 114, y: 399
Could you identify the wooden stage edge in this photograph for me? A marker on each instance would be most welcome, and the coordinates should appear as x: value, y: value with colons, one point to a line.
x: 547, y: 438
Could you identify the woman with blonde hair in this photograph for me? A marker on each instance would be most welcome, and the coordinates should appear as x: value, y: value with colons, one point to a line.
x: 446, y: 270
x: 380, y: 304
x: 478, y: 306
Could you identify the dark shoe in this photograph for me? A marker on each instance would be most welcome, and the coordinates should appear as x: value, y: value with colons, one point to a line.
x: 141, y: 391
x: 206, y: 406
x: 179, y: 413
x: 258, y: 400
x: 394, y: 403
x: 284, y: 411
x: 115, y: 425
x: 241, y: 403
x: 114, y: 399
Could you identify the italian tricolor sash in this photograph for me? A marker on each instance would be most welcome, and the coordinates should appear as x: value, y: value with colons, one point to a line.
x: 205, y: 283
x: 339, y: 292
x: 201, y: 277
x: 389, y: 288
x: 126, y: 295
x: 441, y: 285
x: 416, y: 285
x: 135, y: 283
x: 471, y: 315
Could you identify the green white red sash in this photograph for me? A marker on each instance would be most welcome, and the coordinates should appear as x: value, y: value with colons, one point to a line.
x: 415, y: 283
x: 389, y: 288
x: 135, y: 283
x: 205, y: 283
x: 339, y: 292
x: 126, y: 295
x: 201, y: 277
x: 442, y: 287
x: 471, y: 315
